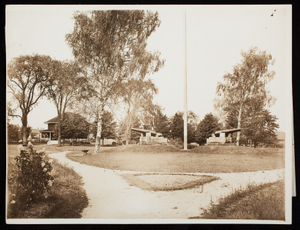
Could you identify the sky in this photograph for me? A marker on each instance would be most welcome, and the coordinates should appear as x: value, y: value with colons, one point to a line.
x: 215, y: 38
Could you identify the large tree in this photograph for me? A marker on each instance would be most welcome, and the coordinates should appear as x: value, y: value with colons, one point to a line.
x: 259, y: 125
x: 73, y: 126
x: 246, y: 82
x: 27, y: 80
x: 206, y: 128
x: 261, y: 128
x: 109, y: 125
x: 137, y: 94
x: 177, y: 123
x: 161, y: 122
x: 111, y: 46
x: 64, y: 87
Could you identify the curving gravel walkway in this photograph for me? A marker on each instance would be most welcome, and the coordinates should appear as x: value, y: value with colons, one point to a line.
x: 110, y: 196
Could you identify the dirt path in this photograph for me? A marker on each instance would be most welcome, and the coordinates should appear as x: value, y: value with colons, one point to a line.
x: 110, y: 196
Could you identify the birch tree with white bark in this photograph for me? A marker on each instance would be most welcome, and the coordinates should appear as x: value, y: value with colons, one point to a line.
x: 111, y: 46
x: 247, y: 81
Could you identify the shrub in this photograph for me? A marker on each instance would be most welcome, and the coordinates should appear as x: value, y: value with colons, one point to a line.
x: 191, y: 146
x: 34, y: 175
x: 177, y: 142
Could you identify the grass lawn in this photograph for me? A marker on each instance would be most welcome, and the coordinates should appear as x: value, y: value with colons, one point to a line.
x: 204, y: 159
x: 262, y: 202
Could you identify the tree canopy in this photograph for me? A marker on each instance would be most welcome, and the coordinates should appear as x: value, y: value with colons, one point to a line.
x: 111, y: 46
x: 27, y: 81
x: 247, y: 82
x: 137, y: 94
x: 108, y: 129
x: 74, y: 126
x: 177, y: 126
x: 13, y: 132
x: 64, y: 87
x: 206, y: 128
x: 161, y: 123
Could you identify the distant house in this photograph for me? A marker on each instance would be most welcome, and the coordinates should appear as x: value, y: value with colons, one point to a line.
x: 48, y: 134
x: 222, y: 136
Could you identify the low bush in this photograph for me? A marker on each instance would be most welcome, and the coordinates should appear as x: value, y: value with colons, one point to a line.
x: 191, y: 146
x: 64, y: 196
x: 34, y: 175
x: 178, y: 143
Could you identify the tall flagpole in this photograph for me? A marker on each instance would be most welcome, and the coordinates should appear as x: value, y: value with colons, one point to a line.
x: 185, y: 88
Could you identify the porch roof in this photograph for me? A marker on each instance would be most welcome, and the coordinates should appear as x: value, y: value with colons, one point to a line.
x: 143, y: 130
x: 46, y: 131
x: 227, y: 131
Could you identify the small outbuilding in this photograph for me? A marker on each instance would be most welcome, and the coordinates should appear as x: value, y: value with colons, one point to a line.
x: 222, y: 136
x: 150, y: 137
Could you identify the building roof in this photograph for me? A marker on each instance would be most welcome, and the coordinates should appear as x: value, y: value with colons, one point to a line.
x: 143, y: 130
x: 227, y: 131
x: 46, y: 131
x: 53, y: 120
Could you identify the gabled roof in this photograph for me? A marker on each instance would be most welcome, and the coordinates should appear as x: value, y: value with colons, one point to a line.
x: 53, y: 120
x: 227, y: 131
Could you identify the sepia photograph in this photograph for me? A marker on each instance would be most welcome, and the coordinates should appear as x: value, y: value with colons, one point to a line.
x: 149, y: 114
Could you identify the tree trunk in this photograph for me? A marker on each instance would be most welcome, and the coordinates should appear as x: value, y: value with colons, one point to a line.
x: 239, y: 126
x: 59, y: 131
x: 24, y: 127
x: 98, y: 136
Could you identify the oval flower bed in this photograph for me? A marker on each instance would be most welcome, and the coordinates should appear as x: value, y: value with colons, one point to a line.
x: 167, y: 182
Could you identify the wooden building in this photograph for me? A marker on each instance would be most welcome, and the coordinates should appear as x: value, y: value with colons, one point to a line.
x: 150, y: 137
x: 222, y: 136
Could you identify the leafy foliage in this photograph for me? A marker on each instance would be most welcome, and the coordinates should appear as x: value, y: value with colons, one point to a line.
x: 177, y: 126
x: 261, y: 127
x: 206, y: 128
x: 131, y: 135
x: 27, y: 81
x: 13, y: 132
x: 137, y: 95
x: 162, y: 123
x: 246, y: 83
x: 74, y: 126
x: 34, y: 175
x: 111, y: 47
x: 66, y: 84
x: 108, y: 129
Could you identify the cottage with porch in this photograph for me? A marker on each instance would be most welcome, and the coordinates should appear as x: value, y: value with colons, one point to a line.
x: 150, y: 137
x: 222, y: 136
x: 47, y: 135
